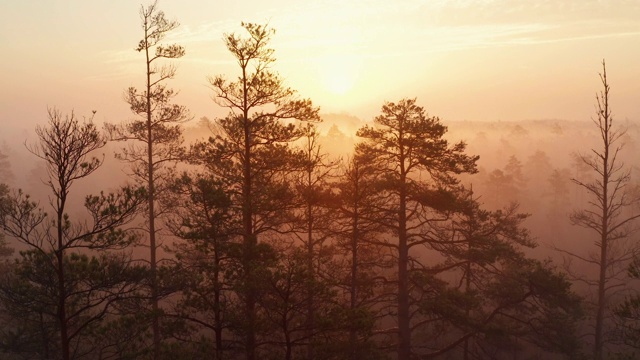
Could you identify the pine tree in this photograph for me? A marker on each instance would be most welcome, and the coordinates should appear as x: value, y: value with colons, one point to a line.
x: 6, y: 175
x: 155, y: 138
x: 415, y: 166
x: 314, y: 221
x: 358, y: 239
x: 504, y: 302
x: 204, y: 219
x: 251, y: 154
x: 68, y: 277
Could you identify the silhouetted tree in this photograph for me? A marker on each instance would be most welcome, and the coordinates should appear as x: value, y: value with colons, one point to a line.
x: 251, y: 154
x: 415, y: 171
x: 609, y: 214
x: 503, y: 300
x: 559, y: 185
x: 4, y: 203
x: 628, y: 313
x: 502, y: 188
x: 313, y: 227
x: 285, y: 305
x: 203, y: 217
x: 155, y: 139
x: 358, y: 239
x: 538, y: 167
x: 66, y: 275
x: 6, y: 175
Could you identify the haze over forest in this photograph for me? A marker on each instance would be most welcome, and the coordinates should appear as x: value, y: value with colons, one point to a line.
x: 441, y: 179
x: 464, y: 60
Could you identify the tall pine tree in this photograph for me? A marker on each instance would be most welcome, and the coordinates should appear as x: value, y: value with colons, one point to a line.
x: 415, y: 175
x: 252, y: 153
x: 155, y: 138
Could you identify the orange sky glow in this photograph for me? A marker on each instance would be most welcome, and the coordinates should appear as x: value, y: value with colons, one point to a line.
x: 462, y: 59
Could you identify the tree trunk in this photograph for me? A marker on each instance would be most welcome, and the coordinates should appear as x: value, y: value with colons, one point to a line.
x: 310, y: 281
x: 62, y: 291
x: 287, y: 339
x: 153, y: 259
x: 599, y: 341
x: 62, y: 311
x: 45, y: 338
x: 353, y: 340
x: 404, y: 328
x: 404, y: 318
x: 249, y: 239
x: 151, y: 203
x: 467, y: 290
x: 217, y: 311
x: 604, y: 233
x: 250, y: 300
x: 604, y: 243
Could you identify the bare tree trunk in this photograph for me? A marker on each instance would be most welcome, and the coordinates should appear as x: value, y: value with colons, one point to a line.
x: 310, y: 281
x: 404, y: 330
x: 62, y: 291
x: 151, y: 203
x: 153, y: 260
x: 468, y: 312
x: 353, y: 339
x: 217, y: 311
x: 604, y: 233
x: 287, y: 339
x: 45, y: 338
x: 601, y: 305
x: 62, y: 311
x: 404, y: 327
x: 250, y: 240
x: 250, y: 243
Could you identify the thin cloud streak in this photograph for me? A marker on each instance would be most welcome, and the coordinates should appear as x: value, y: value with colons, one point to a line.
x: 460, y: 38
x: 347, y: 30
x: 204, y: 32
x: 575, y: 38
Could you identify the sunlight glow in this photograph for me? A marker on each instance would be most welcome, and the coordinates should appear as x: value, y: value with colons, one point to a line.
x: 338, y: 73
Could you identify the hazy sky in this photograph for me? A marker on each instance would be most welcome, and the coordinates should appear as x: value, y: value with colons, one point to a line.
x: 465, y: 59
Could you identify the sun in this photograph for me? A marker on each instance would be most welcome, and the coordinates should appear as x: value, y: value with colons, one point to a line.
x: 339, y: 81
x: 338, y: 74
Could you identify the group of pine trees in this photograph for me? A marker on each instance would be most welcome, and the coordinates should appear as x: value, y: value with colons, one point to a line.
x: 257, y: 244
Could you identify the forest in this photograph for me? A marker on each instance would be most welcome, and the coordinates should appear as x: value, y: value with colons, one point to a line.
x: 280, y: 232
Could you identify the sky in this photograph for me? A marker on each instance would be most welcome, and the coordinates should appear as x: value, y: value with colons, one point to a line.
x: 485, y: 60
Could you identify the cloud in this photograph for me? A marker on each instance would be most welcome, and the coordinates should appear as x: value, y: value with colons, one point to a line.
x: 204, y: 32
x: 312, y: 30
x: 382, y: 29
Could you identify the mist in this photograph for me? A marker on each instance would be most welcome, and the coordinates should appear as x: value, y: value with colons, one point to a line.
x: 455, y: 193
